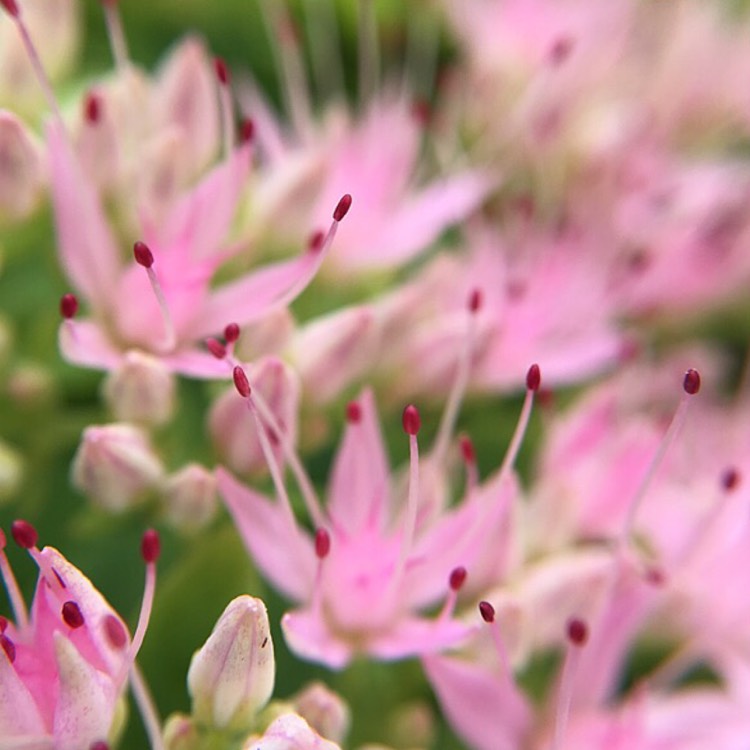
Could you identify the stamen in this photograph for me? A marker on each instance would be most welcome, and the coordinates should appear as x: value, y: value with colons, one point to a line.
x: 241, y: 383
x: 68, y: 306
x: 369, y: 57
x: 92, y: 108
x: 533, y: 381
x: 577, y: 632
x: 487, y: 611
x: 322, y: 543
x: 216, y: 348
x: 231, y: 333
x: 469, y: 456
x: 150, y: 550
x: 341, y: 210
x: 353, y: 412
x: 456, y: 580
x: 247, y: 131
x: 99, y: 745
x: 9, y: 647
x: 322, y: 549
x: 20, y: 613
x: 24, y: 534
x: 691, y: 385
x: 460, y: 381
x: 72, y: 615
x: 144, y: 257
x: 3, y: 624
x: 117, y: 40
x: 147, y: 708
x: 225, y: 105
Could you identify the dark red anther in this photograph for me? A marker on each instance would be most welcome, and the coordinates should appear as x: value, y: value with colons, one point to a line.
x: 560, y: 50
x: 468, y: 453
x: 247, y: 130
x: 68, y: 306
x: 692, y: 382
x: 216, y: 348
x: 11, y: 7
x: 476, y: 298
x: 730, y: 479
x: 3, y: 540
x: 353, y: 412
x: 222, y: 72
x: 143, y: 255
x: 342, y: 209
x: 3, y: 624
x: 315, y: 241
x: 322, y: 543
x: 533, y: 378
x: 99, y: 745
x: 8, y: 646
x: 24, y: 534
x: 231, y: 333
x: 655, y: 576
x: 150, y: 545
x: 457, y: 577
x: 422, y: 112
x: 72, y: 615
x: 92, y: 108
x: 411, y: 420
x: 578, y: 631
x: 241, y: 383
x: 487, y: 611
x: 115, y: 632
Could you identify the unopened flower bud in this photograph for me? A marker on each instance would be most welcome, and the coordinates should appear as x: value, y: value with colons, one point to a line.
x: 190, y: 497
x: 289, y: 732
x: 325, y: 711
x: 115, y: 465
x: 231, y: 677
x: 141, y: 389
x: 180, y: 733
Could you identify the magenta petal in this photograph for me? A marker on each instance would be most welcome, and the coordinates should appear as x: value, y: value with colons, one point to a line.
x: 487, y: 711
x: 88, y: 250
x: 359, y: 489
x: 19, y: 714
x: 309, y: 637
x: 284, y: 554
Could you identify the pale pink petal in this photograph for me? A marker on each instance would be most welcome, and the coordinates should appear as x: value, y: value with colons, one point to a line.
x: 291, y: 732
x: 360, y: 481
x: 87, y: 248
x: 489, y: 712
x: 309, y: 637
x: 285, y: 555
x: 414, y: 636
x: 258, y: 293
x: 195, y: 363
x: 83, y: 342
x: 19, y: 714
x: 21, y: 173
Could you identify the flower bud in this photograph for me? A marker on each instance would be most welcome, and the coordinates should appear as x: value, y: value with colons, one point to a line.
x: 289, y: 732
x: 325, y: 711
x: 115, y: 465
x: 11, y: 470
x: 180, y: 733
x: 141, y: 389
x: 190, y: 497
x: 231, y: 677
x: 233, y: 428
x: 21, y: 173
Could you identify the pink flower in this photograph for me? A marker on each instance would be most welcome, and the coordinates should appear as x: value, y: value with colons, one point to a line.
x: 63, y: 666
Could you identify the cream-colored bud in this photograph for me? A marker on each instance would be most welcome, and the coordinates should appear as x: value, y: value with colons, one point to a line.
x: 190, y: 498
x: 231, y: 677
x: 289, y: 732
x: 141, y: 390
x: 325, y: 711
x: 115, y: 465
x: 180, y: 733
x: 11, y: 471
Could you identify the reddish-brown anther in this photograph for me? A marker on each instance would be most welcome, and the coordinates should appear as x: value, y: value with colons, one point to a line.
x: 92, y: 108
x: 231, y: 333
x: 487, y: 611
x: 342, y: 209
x: 247, y: 130
x: 533, y: 378
x: 143, y: 255
x: 322, y: 543
x: 316, y: 240
x: 150, y: 545
x: 730, y: 479
x: 3, y: 624
x: 3, y: 540
x: 560, y: 50
x: 72, y: 615
x: 578, y: 631
x: 353, y: 412
x: 216, y: 348
x: 99, y: 745
x: 115, y: 632
x: 476, y: 299
x: 7, y: 645
x: 468, y: 453
x: 411, y: 420
x: 24, y: 534
x: 241, y: 383
x: 68, y: 306
x: 457, y: 577
x: 222, y: 72
x: 692, y: 382
x: 11, y: 7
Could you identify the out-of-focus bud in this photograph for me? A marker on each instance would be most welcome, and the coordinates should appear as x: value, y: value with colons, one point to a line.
x: 30, y: 385
x: 268, y: 336
x: 231, y: 677
x: 141, y: 389
x: 233, y: 428
x: 21, y: 174
x: 325, y: 711
x: 190, y: 498
x: 11, y: 471
x: 180, y: 733
x: 412, y: 725
x: 289, y: 732
x: 115, y: 465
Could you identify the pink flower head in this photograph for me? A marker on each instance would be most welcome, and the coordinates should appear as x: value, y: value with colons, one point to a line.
x: 64, y: 665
